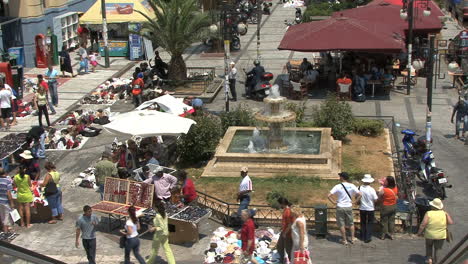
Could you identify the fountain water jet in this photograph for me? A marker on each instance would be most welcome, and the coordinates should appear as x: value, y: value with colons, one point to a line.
x: 276, y: 149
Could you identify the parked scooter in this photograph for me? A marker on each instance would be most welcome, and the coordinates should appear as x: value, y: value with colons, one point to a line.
x: 429, y: 173
x: 266, y: 8
x: 248, y: 10
x: 413, y: 148
x: 298, y: 18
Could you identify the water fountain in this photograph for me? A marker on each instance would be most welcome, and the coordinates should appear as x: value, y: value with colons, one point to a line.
x: 275, y: 116
x: 276, y: 148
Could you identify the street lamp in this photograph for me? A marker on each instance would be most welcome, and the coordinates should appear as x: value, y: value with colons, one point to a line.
x: 407, y: 13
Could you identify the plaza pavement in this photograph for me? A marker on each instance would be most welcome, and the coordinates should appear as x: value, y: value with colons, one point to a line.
x: 58, y: 240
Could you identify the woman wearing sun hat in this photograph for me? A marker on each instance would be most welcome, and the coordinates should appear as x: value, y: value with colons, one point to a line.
x: 434, y: 226
x: 367, y: 207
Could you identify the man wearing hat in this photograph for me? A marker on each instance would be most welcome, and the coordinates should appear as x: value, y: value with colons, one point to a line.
x: 163, y: 184
x: 345, y: 192
x: 367, y: 207
x: 245, y: 188
x: 232, y: 80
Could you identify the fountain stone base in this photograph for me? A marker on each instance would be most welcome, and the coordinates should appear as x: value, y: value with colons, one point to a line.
x: 325, y: 162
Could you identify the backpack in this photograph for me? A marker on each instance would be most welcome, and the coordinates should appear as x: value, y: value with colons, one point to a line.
x: 136, y: 90
x: 463, y: 107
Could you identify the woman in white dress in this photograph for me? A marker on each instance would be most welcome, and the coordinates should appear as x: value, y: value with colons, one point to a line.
x: 298, y: 232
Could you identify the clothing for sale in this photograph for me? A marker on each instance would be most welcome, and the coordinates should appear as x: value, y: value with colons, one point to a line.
x: 188, y: 189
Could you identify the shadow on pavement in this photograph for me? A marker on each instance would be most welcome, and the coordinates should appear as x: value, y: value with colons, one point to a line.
x: 416, y: 258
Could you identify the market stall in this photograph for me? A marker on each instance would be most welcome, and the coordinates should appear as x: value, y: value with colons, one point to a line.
x: 119, y: 195
x: 10, y: 144
x: 122, y: 18
x: 183, y: 221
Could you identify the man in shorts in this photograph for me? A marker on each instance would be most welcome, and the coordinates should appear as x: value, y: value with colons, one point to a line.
x: 344, y: 192
x: 5, y: 105
x: 6, y: 200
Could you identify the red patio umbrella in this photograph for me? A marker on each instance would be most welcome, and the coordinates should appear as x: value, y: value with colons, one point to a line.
x: 382, y: 11
x: 343, y: 34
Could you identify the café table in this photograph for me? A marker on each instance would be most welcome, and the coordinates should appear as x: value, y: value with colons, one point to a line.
x: 454, y: 76
x: 373, y: 83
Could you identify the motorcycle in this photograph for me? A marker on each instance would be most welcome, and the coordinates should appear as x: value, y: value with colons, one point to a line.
x: 261, y: 89
x: 248, y: 11
x: 235, y: 43
x: 298, y: 18
x: 429, y: 173
x: 266, y: 8
x: 412, y: 148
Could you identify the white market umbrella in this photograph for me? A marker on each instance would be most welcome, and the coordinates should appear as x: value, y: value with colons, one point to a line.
x: 147, y: 123
x: 168, y: 104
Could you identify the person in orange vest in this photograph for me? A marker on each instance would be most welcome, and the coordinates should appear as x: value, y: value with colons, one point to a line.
x: 137, y: 89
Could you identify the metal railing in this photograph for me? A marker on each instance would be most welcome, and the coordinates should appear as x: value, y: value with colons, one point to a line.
x: 223, y: 212
x: 198, y: 78
x: 11, y: 253
x: 458, y: 254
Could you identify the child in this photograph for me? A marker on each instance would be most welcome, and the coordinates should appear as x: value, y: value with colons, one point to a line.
x: 93, y: 61
x: 83, y: 66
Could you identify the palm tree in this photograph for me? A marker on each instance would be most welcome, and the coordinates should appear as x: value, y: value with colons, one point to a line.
x: 177, y: 25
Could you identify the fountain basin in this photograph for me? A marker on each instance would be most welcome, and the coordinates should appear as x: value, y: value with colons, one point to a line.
x: 324, y: 160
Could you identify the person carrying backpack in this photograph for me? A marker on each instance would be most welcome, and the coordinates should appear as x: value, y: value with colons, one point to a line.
x: 461, y: 111
x: 137, y: 89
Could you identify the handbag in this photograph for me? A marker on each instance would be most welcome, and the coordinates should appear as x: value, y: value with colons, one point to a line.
x: 51, y: 188
x: 449, y: 237
x: 302, y: 257
x: 122, y: 241
x: 15, y: 216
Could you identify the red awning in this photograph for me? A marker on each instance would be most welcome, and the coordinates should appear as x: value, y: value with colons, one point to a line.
x: 344, y: 34
x: 390, y: 14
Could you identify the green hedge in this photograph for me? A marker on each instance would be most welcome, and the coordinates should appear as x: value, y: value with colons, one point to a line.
x: 241, y: 116
x: 335, y: 114
x: 327, y: 8
x: 199, y: 144
x: 368, y: 127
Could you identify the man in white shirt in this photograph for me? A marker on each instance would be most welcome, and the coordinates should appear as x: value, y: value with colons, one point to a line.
x: 344, y: 191
x: 5, y: 105
x: 232, y: 80
x: 366, y: 207
x: 245, y: 188
x: 163, y: 184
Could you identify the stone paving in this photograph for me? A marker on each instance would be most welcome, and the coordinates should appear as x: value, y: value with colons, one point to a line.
x: 58, y: 240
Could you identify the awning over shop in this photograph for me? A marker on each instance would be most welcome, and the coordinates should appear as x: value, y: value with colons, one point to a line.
x: 343, y: 34
x: 118, y: 11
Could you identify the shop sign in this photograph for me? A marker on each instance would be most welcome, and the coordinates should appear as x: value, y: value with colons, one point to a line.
x: 119, y: 8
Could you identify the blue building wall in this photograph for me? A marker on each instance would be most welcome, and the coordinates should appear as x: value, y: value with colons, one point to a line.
x: 38, y: 25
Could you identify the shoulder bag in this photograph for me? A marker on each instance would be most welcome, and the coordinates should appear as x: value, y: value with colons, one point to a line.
x: 51, y: 187
x: 359, y: 201
x: 122, y: 241
x: 449, y: 236
x: 347, y: 193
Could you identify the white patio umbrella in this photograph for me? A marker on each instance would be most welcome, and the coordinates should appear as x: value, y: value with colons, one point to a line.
x: 148, y: 123
x: 168, y: 104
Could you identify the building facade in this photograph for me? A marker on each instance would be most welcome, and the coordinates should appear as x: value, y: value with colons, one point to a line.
x: 22, y: 20
x: 459, y: 10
